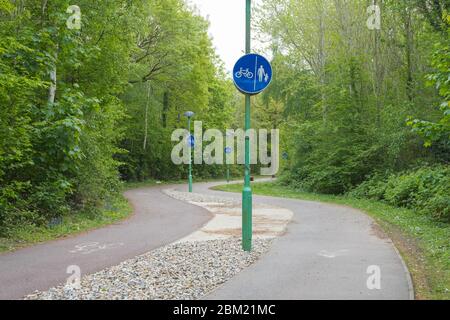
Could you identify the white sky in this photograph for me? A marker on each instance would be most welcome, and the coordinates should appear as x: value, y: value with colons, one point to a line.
x: 227, y: 20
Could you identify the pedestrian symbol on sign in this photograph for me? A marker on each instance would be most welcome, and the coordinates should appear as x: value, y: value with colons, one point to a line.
x: 262, y: 74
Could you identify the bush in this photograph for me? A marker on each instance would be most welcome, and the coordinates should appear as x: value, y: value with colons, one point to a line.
x: 26, y: 204
x: 425, y: 190
x: 373, y: 188
x: 401, y: 190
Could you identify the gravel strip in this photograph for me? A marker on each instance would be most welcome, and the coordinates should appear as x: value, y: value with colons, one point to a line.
x: 185, y: 271
x: 200, y: 198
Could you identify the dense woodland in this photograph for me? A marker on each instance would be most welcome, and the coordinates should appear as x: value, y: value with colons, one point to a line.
x: 361, y: 112
x: 364, y: 112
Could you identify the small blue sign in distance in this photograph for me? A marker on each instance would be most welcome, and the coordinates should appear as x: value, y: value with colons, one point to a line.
x: 191, y: 141
x: 228, y: 150
x: 252, y: 74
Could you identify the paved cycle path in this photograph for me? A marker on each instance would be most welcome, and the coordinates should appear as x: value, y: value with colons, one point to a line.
x: 325, y: 253
x: 158, y: 220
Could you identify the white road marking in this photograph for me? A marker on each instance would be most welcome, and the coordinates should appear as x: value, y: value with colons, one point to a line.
x: 91, y: 247
x: 332, y: 255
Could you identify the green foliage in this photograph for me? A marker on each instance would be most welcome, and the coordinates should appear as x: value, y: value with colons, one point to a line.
x: 438, y: 132
x: 372, y: 188
x: 124, y: 81
x: 25, y: 234
x: 346, y: 91
x: 126, y: 77
x: 425, y: 190
x: 182, y: 74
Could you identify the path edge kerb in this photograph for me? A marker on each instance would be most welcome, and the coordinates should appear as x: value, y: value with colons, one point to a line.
x: 412, y: 291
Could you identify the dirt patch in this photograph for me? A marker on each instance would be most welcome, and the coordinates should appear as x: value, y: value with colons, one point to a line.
x: 266, y: 220
x: 238, y: 232
x: 220, y: 205
x: 224, y: 232
x: 378, y: 232
x: 263, y: 232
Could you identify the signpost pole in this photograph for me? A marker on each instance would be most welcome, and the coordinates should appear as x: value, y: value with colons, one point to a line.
x: 190, y: 156
x: 252, y: 74
x: 247, y: 193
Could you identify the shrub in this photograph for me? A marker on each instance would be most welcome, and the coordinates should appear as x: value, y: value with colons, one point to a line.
x: 373, y: 188
x: 425, y: 190
x: 401, y: 190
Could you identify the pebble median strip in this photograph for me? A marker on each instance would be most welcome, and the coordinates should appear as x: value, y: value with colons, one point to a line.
x: 180, y: 271
x: 183, y: 271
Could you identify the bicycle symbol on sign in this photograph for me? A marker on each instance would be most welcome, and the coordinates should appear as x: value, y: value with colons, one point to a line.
x: 246, y: 73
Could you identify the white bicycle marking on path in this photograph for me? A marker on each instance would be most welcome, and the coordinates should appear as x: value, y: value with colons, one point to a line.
x: 91, y: 247
x: 331, y: 255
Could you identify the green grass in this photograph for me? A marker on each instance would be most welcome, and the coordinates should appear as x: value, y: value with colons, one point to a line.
x: 27, y: 235
x: 423, y: 242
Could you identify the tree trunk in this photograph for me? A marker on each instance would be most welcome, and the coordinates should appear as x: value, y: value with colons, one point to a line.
x: 146, y: 117
x: 322, y: 57
x: 52, y: 89
x: 165, y: 109
x: 378, y: 72
x: 409, y: 55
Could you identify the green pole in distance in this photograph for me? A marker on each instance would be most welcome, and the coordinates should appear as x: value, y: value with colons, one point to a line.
x: 247, y: 193
x: 190, y: 156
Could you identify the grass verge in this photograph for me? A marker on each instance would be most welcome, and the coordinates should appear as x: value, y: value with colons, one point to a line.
x: 117, y: 210
x: 423, y: 242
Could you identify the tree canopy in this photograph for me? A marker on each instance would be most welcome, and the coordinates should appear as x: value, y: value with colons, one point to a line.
x: 84, y: 107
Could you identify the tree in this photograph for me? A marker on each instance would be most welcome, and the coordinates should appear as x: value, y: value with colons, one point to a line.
x: 362, y: 82
x: 438, y: 132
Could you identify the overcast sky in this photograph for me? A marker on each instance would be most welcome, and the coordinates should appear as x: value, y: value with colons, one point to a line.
x: 227, y: 19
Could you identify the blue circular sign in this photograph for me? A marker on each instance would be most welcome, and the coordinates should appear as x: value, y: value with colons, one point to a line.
x: 252, y: 74
x: 228, y: 150
x: 191, y: 141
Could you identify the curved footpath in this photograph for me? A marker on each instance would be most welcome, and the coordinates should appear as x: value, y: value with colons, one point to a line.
x: 325, y: 253
x: 158, y: 220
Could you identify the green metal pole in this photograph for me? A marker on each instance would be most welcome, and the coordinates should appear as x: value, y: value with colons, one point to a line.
x: 228, y: 174
x: 247, y: 193
x: 190, y: 157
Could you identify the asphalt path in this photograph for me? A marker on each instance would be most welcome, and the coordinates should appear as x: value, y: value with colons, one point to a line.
x: 157, y: 220
x: 328, y: 252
